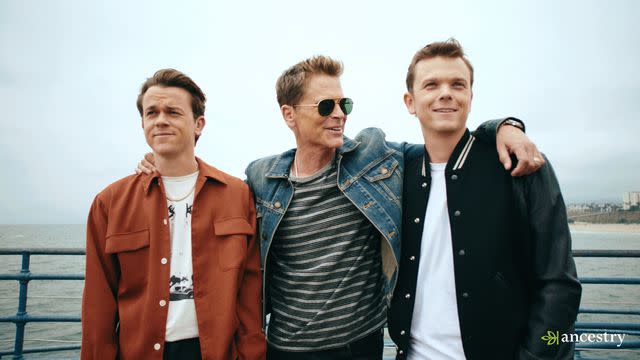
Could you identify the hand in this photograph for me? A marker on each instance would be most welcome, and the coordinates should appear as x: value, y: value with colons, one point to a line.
x: 146, y: 165
x: 511, y: 140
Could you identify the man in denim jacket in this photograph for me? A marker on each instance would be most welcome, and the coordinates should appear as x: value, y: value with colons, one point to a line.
x: 329, y: 220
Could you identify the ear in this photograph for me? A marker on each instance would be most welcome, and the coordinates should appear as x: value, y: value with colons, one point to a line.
x: 200, y: 122
x: 289, y: 115
x: 408, y: 102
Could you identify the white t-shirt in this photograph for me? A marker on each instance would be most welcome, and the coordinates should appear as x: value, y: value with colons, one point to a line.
x: 435, y: 330
x: 181, y: 319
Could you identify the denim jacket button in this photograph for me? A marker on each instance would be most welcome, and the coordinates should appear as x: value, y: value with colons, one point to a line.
x: 277, y: 205
x: 384, y: 171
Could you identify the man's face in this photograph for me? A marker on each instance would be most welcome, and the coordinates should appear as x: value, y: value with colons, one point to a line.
x: 441, y: 97
x: 312, y: 129
x: 167, y: 120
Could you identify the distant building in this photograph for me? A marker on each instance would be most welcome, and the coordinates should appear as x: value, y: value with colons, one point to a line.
x: 631, y: 200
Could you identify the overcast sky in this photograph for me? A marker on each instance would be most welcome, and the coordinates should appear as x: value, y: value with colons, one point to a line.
x: 70, y: 72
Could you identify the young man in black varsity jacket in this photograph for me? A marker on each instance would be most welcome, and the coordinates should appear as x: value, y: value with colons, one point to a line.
x: 486, y: 268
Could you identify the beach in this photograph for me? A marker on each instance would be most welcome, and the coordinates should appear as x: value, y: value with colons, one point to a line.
x: 608, y: 228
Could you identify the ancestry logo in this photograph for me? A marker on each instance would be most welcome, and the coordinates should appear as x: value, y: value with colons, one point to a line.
x: 554, y: 338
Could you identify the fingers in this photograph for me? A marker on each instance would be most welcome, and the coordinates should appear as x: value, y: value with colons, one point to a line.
x: 503, y: 155
x: 525, y: 161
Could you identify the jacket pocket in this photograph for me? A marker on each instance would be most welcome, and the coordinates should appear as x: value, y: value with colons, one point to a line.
x: 385, y: 178
x: 132, y: 250
x: 232, y: 235
x: 124, y: 242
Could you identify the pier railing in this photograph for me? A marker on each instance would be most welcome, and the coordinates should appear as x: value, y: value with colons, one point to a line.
x: 22, y: 316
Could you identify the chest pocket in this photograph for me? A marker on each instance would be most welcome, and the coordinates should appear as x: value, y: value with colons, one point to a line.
x: 386, y: 179
x: 132, y: 250
x: 232, y: 236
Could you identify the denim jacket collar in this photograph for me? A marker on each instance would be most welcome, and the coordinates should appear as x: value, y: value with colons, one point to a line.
x: 282, y: 165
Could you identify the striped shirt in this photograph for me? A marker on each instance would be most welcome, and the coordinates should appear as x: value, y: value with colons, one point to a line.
x: 326, y: 285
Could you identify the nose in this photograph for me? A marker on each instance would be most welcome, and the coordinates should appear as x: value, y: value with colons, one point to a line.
x: 445, y: 93
x: 337, y: 112
x: 161, y: 120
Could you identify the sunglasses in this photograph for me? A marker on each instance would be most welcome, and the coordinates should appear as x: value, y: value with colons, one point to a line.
x: 326, y: 106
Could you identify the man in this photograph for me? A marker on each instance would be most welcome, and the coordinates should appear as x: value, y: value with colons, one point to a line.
x: 172, y: 268
x: 486, y: 266
x: 329, y: 216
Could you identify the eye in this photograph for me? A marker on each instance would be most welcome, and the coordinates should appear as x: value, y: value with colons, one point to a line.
x: 459, y: 85
x: 430, y: 85
x: 150, y: 112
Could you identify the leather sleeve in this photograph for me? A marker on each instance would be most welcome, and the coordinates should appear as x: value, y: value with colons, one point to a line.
x: 555, y: 298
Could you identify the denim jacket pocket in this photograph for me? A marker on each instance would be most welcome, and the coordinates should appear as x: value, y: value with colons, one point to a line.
x: 385, y: 177
x: 232, y: 235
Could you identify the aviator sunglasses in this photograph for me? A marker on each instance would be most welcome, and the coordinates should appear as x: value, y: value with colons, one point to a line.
x: 325, y: 106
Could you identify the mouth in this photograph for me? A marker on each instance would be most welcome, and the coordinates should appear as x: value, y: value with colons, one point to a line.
x: 162, y: 134
x: 445, y: 110
x: 335, y: 129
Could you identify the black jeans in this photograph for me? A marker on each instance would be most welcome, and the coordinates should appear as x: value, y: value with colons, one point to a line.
x: 369, y: 347
x: 187, y: 349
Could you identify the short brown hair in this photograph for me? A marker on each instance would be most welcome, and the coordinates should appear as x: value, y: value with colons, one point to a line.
x: 175, y: 78
x: 450, y: 49
x: 290, y: 85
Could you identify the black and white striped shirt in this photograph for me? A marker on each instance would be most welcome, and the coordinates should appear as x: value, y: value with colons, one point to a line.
x: 326, y: 285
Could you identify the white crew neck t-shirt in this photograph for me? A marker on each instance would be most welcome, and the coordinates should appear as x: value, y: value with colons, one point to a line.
x: 181, y: 319
x: 435, y: 329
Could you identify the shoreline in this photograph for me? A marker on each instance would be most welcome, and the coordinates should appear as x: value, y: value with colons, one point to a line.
x: 614, y: 228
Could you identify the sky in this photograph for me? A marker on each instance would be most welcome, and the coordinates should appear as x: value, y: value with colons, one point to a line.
x: 70, y: 72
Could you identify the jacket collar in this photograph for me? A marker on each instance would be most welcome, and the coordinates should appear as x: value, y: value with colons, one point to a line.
x: 458, y: 156
x: 205, y: 171
x: 282, y: 165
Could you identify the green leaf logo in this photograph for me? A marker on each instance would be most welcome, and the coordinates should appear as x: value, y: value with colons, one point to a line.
x: 551, y: 338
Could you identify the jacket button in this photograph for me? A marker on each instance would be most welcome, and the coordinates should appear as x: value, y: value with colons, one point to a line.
x: 424, y: 185
x: 407, y: 296
x: 465, y: 295
x: 156, y: 346
x: 346, y: 183
x: 402, y: 332
x: 454, y: 177
x: 461, y: 253
x: 277, y: 205
x: 416, y: 220
x: 400, y: 352
x: 412, y: 258
x: 163, y: 303
x: 457, y: 213
x: 163, y: 261
x: 164, y: 221
x: 384, y: 170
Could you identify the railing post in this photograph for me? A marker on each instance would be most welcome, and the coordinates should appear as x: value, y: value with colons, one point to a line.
x: 22, y: 307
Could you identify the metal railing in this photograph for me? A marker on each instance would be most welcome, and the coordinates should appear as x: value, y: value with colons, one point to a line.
x: 24, y: 276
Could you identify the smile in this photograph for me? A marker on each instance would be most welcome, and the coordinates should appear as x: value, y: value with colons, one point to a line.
x: 445, y: 110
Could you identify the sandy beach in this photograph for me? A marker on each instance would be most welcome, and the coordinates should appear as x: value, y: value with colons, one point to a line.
x: 614, y: 228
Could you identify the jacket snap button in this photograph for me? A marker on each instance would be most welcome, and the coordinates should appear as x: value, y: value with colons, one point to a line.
x: 384, y: 170
x: 163, y: 303
x: 457, y: 213
x: 424, y: 185
x: 412, y: 258
x: 163, y: 261
x: 416, y: 220
x: 408, y: 296
x: 454, y: 177
x: 156, y: 346
x: 277, y: 205
x: 461, y: 252
x: 465, y: 295
x: 402, y: 332
x: 164, y: 221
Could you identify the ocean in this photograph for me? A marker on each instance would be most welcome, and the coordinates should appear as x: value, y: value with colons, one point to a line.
x: 64, y: 297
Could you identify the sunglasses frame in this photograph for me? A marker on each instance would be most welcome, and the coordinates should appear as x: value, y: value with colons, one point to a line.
x: 340, y: 101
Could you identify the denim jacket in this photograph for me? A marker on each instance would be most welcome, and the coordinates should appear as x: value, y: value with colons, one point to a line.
x: 369, y: 175
x: 370, y: 172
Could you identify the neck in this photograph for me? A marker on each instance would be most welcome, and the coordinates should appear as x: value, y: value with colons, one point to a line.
x: 440, y: 145
x: 308, y: 161
x: 180, y: 165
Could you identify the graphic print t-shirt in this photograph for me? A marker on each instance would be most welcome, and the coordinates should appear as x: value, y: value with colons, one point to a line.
x: 181, y: 319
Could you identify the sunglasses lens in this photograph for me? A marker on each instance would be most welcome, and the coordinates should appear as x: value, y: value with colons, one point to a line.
x: 325, y: 107
x: 346, y: 105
